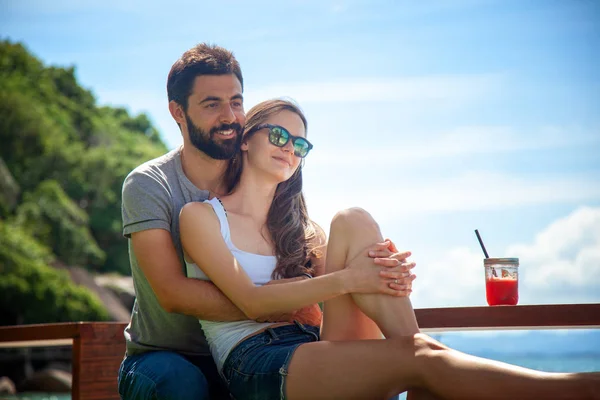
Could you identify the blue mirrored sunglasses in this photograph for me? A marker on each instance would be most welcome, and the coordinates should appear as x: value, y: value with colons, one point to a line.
x: 279, y: 136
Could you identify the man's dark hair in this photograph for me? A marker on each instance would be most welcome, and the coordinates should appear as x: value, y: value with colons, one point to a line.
x: 202, y: 59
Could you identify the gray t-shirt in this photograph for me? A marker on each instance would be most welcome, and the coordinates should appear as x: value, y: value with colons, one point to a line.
x: 153, y: 195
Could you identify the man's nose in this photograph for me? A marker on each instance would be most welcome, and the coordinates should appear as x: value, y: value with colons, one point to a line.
x: 227, y: 114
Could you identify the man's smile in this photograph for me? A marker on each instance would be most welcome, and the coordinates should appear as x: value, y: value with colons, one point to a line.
x: 227, y: 132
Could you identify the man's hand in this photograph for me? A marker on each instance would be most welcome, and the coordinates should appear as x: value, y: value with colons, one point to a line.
x: 309, y: 315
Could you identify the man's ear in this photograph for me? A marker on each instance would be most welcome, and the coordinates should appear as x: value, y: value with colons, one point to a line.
x: 177, y: 112
x: 244, y: 146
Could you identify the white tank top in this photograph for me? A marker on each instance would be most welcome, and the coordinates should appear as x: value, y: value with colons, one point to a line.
x: 223, y: 336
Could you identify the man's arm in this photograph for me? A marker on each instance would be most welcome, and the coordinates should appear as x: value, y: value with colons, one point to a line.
x: 175, y: 292
x: 147, y: 207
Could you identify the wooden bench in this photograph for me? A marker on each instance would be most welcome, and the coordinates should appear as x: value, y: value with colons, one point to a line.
x: 98, y: 347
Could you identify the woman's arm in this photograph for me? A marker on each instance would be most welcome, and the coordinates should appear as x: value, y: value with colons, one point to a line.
x: 204, y: 244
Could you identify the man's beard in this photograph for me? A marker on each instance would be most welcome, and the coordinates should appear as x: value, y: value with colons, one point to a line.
x: 205, y: 142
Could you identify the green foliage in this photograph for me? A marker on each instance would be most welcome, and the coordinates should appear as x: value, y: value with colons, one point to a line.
x: 33, y: 292
x: 52, y: 218
x: 9, y: 190
x: 69, y: 158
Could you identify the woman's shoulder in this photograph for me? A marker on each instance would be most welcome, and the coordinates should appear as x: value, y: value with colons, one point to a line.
x: 197, y: 210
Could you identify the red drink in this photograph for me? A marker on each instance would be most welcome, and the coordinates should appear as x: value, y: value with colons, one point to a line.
x: 502, y: 281
x: 502, y: 291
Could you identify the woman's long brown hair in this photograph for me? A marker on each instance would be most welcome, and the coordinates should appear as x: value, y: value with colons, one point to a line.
x: 292, y: 232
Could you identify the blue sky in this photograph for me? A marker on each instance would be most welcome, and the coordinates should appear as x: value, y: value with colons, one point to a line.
x: 438, y: 117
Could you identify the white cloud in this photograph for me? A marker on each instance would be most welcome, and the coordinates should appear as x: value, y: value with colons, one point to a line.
x: 560, y: 265
x: 565, y: 255
x: 327, y: 192
x: 392, y: 150
x: 456, y: 278
x: 447, y: 89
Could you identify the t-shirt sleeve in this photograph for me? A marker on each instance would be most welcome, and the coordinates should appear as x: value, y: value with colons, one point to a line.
x: 147, y: 202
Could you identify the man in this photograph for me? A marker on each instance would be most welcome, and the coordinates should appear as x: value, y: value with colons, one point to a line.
x: 167, y: 355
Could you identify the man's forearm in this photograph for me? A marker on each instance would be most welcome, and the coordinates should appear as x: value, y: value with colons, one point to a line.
x: 203, y: 300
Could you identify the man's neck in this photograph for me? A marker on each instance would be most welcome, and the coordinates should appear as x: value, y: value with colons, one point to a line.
x: 204, y: 172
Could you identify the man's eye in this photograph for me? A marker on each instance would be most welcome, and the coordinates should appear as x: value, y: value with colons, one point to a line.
x: 212, y: 105
x: 237, y: 104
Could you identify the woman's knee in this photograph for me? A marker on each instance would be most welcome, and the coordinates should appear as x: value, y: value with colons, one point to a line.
x: 352, y: 217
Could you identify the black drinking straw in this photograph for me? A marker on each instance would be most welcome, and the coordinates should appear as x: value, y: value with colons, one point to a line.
x: 481, y: 243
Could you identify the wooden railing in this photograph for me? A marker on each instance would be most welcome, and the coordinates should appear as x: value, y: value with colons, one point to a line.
x: 98, y: 347
x: 552, y: 316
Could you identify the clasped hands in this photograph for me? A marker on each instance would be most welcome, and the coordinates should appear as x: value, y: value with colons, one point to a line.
x: 394, y: 273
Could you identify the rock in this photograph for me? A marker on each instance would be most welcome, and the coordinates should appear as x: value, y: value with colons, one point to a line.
x: 48, y: 380
x: 80, y: 276
x: 127, y: 299
x: 113, y: 304
x: 60, y: 366
x: 7, y: 386
x: 120, y: 286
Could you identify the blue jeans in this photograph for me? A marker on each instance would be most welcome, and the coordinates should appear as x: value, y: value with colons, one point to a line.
x: 257, y: 367
x: 166, y: 375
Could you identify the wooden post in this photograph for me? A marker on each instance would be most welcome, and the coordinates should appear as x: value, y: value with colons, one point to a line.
x: 97, y: 354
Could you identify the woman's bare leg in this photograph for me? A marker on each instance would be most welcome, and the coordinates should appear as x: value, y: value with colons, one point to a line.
x: 351, y: 233
x: 379, y: 369
x: 343, y: 320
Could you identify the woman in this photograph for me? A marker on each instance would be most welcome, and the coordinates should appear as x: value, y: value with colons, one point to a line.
x: 265, y: 233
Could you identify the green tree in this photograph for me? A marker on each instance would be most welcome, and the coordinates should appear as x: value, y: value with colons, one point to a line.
x: 31, y: 291
x: 52, y: 218
x: 58, y: 145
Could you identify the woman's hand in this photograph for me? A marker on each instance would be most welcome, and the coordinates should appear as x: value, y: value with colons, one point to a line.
x: 384, y: 253
x: 388, y: 272
x: 401, y: 276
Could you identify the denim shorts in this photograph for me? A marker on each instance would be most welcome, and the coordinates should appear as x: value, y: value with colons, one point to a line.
x: 256, y: 368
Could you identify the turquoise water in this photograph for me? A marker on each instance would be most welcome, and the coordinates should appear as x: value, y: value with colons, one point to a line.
x: 573, y: 363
